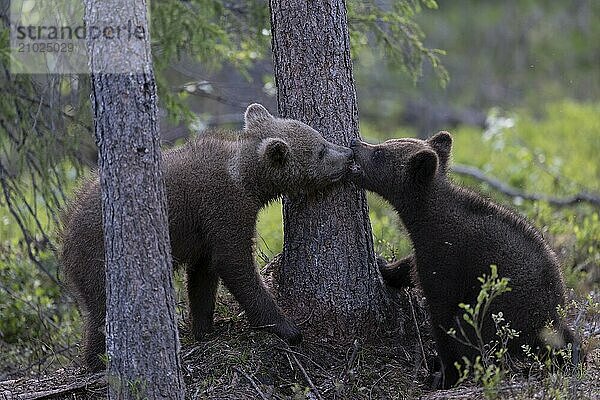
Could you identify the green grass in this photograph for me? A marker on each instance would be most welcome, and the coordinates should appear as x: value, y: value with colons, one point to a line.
x: 555, y: 152
x: 389, y: 238
x: 269, y: 241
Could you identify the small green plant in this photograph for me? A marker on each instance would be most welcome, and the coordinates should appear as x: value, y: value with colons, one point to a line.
x: 300, y: 392
x: 560, y: 362
x: 490, y: 365
x: 104, y: 358
x: 135, y: 388
x: 491, y: 288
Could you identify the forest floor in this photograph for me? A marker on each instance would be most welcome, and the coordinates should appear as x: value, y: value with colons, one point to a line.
x: 237, y: 362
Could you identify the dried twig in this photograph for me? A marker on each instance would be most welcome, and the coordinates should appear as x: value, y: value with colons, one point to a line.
x: 351, y: 360
x: 470, y: 392
x: 376, y: 382
x: 198, y: 91
x: 412, y: 309
x: 322, y: 368
x: 252, y: 382
x: 502, y: 187
x: 355, y: 347
x: 308, y: 380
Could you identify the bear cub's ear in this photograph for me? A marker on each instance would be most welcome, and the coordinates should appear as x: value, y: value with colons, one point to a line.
x: 256, y: 113
x: 275, y: 151
x: 441, y: 142
x: 422, y: 166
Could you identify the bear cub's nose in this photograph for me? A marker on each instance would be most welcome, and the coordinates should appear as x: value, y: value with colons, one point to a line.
x: 349, y: 155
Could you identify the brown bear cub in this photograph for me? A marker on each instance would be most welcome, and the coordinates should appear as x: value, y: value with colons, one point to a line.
x: 215, y: 184
x: 457, y: 235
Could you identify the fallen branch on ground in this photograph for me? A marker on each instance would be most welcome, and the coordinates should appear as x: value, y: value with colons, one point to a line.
x: 504, y: 188
x: 23, y: 389
x: 308, y: 380
x: 252, y: 382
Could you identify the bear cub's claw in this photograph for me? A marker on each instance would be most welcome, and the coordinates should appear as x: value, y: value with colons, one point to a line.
x: 295, y: 339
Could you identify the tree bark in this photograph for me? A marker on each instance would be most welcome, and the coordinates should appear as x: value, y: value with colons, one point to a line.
x: 141, y: 332
x: 328, y: 272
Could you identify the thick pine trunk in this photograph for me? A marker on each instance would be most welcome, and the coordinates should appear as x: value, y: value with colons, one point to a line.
x: 141, y: 332
x: 328, y: 272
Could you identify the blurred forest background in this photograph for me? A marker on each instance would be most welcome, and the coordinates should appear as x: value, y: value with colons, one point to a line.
x: 516, y: 82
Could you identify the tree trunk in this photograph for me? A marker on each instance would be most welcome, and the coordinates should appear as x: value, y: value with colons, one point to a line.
x: 328, y: 272
x: 141, y: 332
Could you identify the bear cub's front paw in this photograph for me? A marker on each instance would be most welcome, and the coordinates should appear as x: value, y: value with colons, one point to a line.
x: 381, y: 262
x: 201, y: 328
x: 288, y: 331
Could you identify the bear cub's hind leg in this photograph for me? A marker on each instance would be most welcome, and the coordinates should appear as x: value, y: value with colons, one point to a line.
x: 397, y: 274
x: 94, y: 342
x: 202, y: 283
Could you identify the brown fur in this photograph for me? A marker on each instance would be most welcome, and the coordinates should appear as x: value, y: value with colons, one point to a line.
x: 457, y: 235
x: 216, y: 185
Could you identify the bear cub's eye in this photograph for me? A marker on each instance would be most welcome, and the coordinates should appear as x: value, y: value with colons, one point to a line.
x: 378, y: 155
x: 322, y: 152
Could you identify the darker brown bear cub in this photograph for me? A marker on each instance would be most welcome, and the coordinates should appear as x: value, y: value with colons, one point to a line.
x: 457, y: 235
x: 216, y: 185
